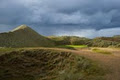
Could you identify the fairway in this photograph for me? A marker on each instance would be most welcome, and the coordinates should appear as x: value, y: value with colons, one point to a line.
x: 73, y: 46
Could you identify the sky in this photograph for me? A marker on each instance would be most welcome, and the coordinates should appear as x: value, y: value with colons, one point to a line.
x: 84, y: 18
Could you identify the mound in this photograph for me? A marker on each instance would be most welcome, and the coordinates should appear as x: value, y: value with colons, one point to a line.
x: 44, y: 64
x: 23, y: 36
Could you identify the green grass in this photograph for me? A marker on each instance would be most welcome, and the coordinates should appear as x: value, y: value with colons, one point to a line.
x: 4, y: 50
x: 77, y: 46
x: 73, y: 46
x: 101, y: 51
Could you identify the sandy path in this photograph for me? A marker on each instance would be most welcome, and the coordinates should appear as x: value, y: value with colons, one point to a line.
x: 110, y: 62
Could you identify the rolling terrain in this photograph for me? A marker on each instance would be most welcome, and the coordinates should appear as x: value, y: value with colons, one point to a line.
x: 27, y: 55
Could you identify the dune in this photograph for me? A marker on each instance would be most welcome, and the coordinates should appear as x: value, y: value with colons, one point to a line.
x: 24, y: 36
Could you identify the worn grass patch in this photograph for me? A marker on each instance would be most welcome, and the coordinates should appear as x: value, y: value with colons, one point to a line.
x: 45, y: 64
x: 101, y: 51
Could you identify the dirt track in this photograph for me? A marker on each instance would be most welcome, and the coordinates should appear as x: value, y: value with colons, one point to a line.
x: 110, y: 62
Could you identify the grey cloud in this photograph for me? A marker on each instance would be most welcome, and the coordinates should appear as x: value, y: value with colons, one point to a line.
x: 64, y: 15
x: 92, y: 13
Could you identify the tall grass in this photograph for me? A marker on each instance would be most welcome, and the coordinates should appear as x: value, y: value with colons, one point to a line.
x: 44, y: 64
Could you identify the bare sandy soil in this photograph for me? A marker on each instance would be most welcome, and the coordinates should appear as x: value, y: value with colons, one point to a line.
x: 110, y: 62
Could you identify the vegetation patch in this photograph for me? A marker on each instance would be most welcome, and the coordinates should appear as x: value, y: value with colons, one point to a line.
x: 77, y: 46
x: 101, y: 51
x: 44, y: 64
x: 5, y: 50
x: 70, y: 40
x: 95, y: 42
x: 73, y: 46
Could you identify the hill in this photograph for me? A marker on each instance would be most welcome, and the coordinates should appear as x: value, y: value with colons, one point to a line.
x: 95, y: 42
x: 69, y: 40
x: 24, y: 36
x: 114, y: 38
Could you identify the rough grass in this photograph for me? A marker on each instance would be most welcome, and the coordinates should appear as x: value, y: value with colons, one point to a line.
x: 44, y: 64
x: 101, y: 51
x: 5, y: 50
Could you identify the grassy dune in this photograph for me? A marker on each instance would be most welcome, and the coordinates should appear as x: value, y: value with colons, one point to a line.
x: 45, y: 64
x: 24, y: 36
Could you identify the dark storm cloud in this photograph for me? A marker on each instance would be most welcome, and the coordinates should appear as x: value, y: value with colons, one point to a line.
x: 61, y: 15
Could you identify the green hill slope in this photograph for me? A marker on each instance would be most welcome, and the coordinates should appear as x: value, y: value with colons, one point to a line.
x: 23, y: 36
